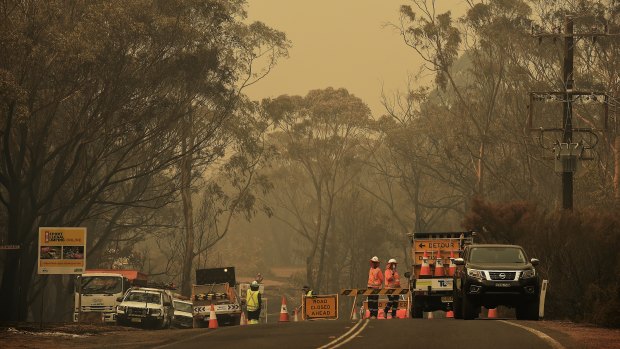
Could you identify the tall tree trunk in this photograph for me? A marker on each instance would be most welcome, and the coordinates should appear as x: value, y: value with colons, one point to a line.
x: 480, y: 173
x: 616, y: 150
x: 188, y: 214
x: 319, y: 277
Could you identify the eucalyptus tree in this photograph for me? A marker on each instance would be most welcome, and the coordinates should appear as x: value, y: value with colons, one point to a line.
x: 319, y: 138
x: 94, y: 98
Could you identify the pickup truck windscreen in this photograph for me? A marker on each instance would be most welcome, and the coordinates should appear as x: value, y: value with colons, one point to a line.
x: 144, y: 297
x: 496, y: 255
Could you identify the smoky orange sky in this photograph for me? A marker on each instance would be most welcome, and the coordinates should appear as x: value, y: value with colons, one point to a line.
x: 340, y: 43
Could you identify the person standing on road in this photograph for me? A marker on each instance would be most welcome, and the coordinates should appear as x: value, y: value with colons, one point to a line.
x: 253, y: 302
x: 307, y: 291
x: 392, y: 280
x: 375, y: 280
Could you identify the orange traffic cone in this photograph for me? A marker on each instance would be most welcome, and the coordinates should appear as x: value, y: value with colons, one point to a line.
x: 283, y: 311
x: 425, y: 269
x: 439, y: 271
x: 243, y: 321
x: 451, y: 266
x: 492, y: 313
x: 212, y: 318
x: 449, y: 314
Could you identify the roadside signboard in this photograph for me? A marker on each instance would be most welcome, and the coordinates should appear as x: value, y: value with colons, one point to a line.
x: 321, y: 307
x: 62, y: 250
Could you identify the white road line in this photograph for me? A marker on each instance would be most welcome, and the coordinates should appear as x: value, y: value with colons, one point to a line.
x: 352, y: 336
x: 364, y: 322
x: 552, y: 342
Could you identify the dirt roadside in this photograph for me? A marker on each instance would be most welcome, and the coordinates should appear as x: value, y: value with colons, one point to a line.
x: 584, y: 336
x: 79, y: 336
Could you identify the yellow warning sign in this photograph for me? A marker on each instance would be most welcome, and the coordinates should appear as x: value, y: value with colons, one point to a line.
x: 321, y: 307
x: 62, y: 250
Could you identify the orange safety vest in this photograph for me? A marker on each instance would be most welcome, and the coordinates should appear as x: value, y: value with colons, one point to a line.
x: 375, y: 278
x: 392, y: 279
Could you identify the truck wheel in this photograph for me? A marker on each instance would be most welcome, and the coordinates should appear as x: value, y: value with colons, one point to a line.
x: 469, y: 308
x: 417, y: 312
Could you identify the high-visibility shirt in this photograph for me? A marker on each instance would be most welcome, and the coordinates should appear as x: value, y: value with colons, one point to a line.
x: 375, y: 278
x: 309, y: 293
x: 252, y: 300
x: 392, y: 279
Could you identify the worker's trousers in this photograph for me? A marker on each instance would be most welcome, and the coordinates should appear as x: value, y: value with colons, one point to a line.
x: 253, y: 314
x: 373, y: 305
x: 392, y: 303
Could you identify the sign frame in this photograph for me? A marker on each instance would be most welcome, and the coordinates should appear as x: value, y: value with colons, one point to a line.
x: 61, y: 250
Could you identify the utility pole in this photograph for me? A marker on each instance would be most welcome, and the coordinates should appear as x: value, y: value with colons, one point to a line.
x: 568, y: 152
x: 567, y: 116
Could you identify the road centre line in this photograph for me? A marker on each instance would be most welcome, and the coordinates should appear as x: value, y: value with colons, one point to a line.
x: 552, y: 342
x: 333, y: 345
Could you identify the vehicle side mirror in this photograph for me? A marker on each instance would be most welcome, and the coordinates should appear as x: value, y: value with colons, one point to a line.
x: 119, y: 299
x: 407, y: 274
x: 534, y: 261
x: 459, y: 261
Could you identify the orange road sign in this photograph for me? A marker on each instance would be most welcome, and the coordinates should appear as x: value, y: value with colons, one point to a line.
x: 321, y: 307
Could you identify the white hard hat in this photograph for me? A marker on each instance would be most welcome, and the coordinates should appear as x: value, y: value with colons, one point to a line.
x: 393, y: 261
x: 254, y: 283
x: 375, y: 259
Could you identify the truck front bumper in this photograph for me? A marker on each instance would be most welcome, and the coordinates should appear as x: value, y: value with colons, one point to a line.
x: 496, y: 292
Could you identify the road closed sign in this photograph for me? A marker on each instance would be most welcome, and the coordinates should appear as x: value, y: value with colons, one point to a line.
x: 62, y: 250
x: 321, y: 307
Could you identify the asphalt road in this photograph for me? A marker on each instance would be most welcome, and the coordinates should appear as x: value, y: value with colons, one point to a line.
x: 397, y: 333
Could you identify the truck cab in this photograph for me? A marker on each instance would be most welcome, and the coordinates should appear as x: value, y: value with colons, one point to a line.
x: 96, y: 293
x: 490, y: 275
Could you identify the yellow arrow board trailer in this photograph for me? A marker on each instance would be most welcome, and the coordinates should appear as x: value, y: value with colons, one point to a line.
x: 432, y: 281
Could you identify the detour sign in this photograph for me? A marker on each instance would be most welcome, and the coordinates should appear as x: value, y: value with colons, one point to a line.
x: 321, y: 307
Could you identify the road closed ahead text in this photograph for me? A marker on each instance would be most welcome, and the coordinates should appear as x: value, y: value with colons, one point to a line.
x: 321, y: 307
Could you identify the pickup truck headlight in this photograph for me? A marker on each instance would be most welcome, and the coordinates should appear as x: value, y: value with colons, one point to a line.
x: 156, y: 312
x: 526, y: 274
x: 121, y: 309
x: 476, y: 274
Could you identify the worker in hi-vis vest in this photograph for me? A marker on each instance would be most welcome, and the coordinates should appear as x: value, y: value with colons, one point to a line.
x: 375, y: 280
x: 392, y: 280
x: 253, y: 303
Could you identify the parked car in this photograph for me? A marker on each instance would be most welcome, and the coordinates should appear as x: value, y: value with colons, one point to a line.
x: 145, y: 307
x: 183, y: 314
x: 490, y: 275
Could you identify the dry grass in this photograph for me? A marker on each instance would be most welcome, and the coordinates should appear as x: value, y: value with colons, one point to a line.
x: 586, y: 336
